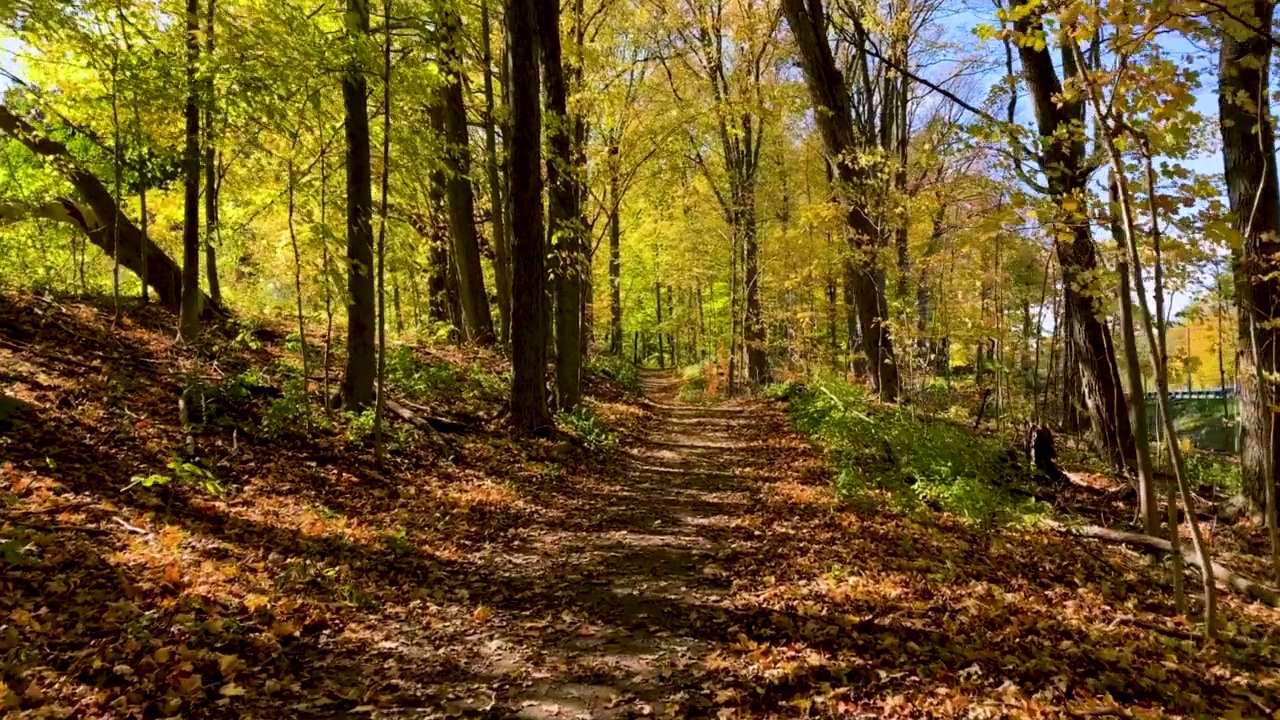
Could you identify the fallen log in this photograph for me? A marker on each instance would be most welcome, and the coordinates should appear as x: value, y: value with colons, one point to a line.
x: 405, y: 414
x: 129, y: 246
x: 1230, y: 579
x: 439, y: 422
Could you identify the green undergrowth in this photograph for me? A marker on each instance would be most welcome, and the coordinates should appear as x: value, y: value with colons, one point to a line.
x: 695, y: 387
x: 589, y: 427
x: 917, y: 460
x: 618, y: 369
x: 433, y: 380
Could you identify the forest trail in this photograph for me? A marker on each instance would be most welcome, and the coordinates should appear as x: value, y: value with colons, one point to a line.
x: 701, y: 566
x: 646, y: 581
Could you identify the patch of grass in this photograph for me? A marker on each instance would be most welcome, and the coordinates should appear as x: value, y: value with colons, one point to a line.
x: 916, y: 459
x: 420, y: 379
x: 1221, y: 472
x: 783, y: 391
x: 588, y: 426
x: 293, y: 413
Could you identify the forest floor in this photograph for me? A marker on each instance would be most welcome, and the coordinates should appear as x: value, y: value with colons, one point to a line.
x: 693, y: 561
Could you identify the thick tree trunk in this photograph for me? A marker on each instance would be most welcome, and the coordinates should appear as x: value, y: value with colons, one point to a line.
x: 162, y: 274
x: 497, y: 202
x: 529, y: 411
x: 357, y: 384
x: 834, y: 118
x: 564, y: 221
x: 189, y: 317
x: 1249, y: 161
x: 457, y: 158
x: 1063, y: 163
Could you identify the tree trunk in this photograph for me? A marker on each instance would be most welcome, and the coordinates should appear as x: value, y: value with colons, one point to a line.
x: 457, y: 160
x: 657, y: 303
x: 357, y: 384
x: 529, y: 411
x: 189, y: 318
x: 615, y: 259
x: 564, y: 221
x: 497, y: 201
x: 671, y: 336
x: 211, y: 184
x: 834, y: 118
x: 134, y: 249
x: 753, y: 331
x: 1249, y: 162
x: 1063, y: 163
x: 1133, y: 374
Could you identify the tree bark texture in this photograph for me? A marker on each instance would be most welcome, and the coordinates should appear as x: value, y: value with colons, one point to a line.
x: 529, y: 411
x: 357, y: 384
x: 189, y: 316
x: 457, y: 160
x: 834, y: 117
x: 1249, y: 162
x: 563, y: 209
x: 1062, y: 160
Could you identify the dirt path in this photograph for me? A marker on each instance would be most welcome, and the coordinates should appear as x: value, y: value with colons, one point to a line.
x: 630, y: 590
x: 703, y: 568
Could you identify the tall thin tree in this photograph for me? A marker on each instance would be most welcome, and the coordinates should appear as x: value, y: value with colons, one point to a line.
x: 189, y: 318
x: 211, y: 183
x: 380, y: 407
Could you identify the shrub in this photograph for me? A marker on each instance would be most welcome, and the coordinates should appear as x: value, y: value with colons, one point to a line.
x: 915, y: 458
x: 784, y: 391
x: 588, y: 426
x: 696, y: 385
x: 185, y: 473
x: 359, y: 425
x: 419, y: 379
x: 1220, y: 472
x: 293, y: 412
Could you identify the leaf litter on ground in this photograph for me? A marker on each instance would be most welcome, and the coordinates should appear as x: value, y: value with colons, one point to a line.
x: 702, y: 566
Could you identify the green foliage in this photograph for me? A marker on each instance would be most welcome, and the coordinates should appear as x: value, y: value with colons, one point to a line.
x: 359, y: 425
x: 183, y: 472
x: 293, y: 412
x: 784, y: 390
x: 618, y: 369
x: 247, y: 330
x: 695, y: 383
x: 1220, y: 472
x: 916, y: 459
x: 588, y: 426
x: 429, y: 381
x: 11, y: 553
